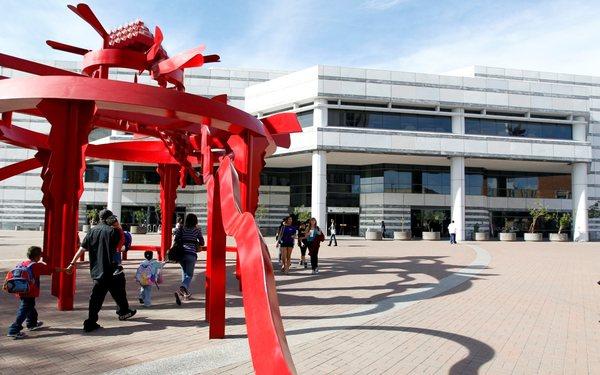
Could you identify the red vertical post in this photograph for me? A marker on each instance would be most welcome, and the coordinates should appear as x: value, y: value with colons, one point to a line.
x: 249, y: 154
x: 63, y: 185
x: 216, y: 241
x: 169, y: 181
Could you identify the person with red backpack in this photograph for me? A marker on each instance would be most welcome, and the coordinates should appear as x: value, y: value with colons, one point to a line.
x: 24, y: 282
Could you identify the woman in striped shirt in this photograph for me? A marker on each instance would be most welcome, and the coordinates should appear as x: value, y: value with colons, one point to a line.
x: 190, y: 237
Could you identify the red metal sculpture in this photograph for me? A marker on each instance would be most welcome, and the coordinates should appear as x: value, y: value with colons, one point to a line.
x: 184, y: 131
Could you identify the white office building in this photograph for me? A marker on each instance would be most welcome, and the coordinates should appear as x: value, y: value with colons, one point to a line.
x: 481, y: 146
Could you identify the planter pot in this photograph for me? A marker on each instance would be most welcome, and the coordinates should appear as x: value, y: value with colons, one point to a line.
x: 431, y: 236
x: 137, y: 229
x: 482, y: 236
x: 403, y: 235
x: 533, y: 237
x: 559, y: 237
x: 373, y: 235
x: 86, y: 228
x: 508, y: 236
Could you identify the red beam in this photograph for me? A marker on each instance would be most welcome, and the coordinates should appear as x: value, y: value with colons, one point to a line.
x: 27, y: 66
x: 18, y: 168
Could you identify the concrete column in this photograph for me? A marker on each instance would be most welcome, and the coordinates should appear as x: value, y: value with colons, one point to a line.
x: 457, y: 197
x: 579, y: 128
x: 319, y: 188
x: 115, y: 187
x: 320, y: 113
x: 458, y: 121
x: 579, y: 177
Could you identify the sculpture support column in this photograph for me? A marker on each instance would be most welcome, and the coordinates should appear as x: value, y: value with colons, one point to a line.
x: 579, y: 200
x: 457, y: 198
x: 169, y: 181
x: 215, y: 246
x: 63, y: 185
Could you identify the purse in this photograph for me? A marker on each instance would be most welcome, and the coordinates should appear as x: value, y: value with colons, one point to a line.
x: 175, y: 253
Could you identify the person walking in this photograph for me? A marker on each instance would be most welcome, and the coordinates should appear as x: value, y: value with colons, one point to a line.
x: 101, y: 244
x: 190, y: 238
x: 452, y: 231
x: 382, y: 229
x: 314, y: 239
x: 332, y: 236
x: 302, y: 229
x: 286, y: 243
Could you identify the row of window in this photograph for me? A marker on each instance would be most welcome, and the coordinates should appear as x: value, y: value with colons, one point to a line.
x: 389, y: 121
x: 513, y: 128
x: 344, y: 184
x: 132, y: 174
x: 439, y: 124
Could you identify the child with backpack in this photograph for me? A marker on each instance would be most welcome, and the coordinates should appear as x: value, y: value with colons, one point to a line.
x: 148, y: 274
x: 24, y: 282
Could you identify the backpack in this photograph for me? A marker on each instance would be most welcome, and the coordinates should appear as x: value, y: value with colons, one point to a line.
x: 145, y: 276
x: 20, y: 279
x: 128, y: 240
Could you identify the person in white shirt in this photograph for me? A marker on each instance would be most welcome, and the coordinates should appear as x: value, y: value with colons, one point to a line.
x: 332, y: 233
x: 452, y: 231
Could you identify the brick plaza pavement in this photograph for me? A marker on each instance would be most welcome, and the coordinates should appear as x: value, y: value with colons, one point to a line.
x: 376, y: 307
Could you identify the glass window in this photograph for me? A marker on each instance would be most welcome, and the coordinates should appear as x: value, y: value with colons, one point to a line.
x: 514, y: 128
x: 136, y: 174
x: 305, y: 118
x: 474, y: 184
x: 390, y: 121
x: 96, y: 173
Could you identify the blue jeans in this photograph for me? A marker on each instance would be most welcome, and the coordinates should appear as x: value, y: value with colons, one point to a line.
x: 452, y: 238
x: 187, y: 269
x: 146, y: 295
x: 27, y: 312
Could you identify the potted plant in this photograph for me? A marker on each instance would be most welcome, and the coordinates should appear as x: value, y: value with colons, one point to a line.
x: 139, y: 217
x: 373, y: 232
x: 507, y: 234
x: 402, y: 234
x: 562, y: 222
x: 430, y: 218
x: 92, y: 219
x: 480, y: 234
x: 538, y: 213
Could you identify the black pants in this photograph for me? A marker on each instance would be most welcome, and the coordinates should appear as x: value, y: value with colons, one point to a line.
x: 27, y: 312
x: 333, y: 238
x: 314, y: 258
x: 303, y: 250
x: 116, y: 286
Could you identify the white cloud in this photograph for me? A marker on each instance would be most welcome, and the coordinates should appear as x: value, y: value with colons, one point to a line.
x: 561, y: 38
x: 382, y: 4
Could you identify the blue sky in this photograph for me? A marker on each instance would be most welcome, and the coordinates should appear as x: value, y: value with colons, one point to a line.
x: 411, y: 35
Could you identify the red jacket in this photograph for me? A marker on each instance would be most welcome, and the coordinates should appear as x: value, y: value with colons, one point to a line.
x: 38, y: 269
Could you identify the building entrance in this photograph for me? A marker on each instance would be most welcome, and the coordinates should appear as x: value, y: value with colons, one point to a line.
x: 345, y: 224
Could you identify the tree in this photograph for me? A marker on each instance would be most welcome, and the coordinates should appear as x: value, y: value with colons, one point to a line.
x: 562, y: 221
x: 92, y: 216
x: 594, y: 211
x: 539, y: 212
x: 261, y: 212
x: 432, y: 217
x: 139, y: 216
x: 302, y: 213
x: 158, y: 212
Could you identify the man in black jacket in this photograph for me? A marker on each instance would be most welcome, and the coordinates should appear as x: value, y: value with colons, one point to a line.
x: 101, y: 244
